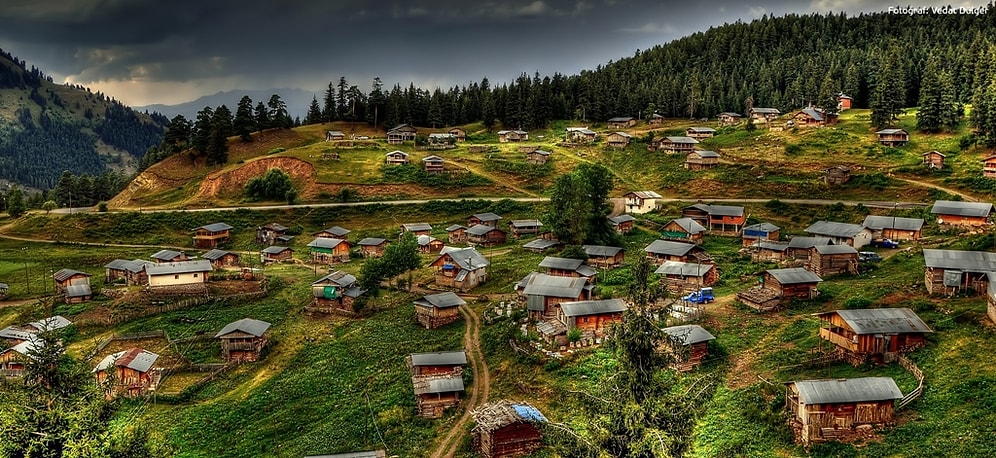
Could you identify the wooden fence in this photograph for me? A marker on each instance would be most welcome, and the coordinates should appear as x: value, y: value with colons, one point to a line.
x: 160, y: 306
x: 103, y: 343
x: 912, y: 368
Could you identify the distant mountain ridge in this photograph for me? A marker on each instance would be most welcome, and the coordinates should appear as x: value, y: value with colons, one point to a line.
x: 297, y: 101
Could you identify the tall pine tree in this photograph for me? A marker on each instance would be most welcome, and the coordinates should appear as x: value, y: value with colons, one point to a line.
x: 244, y: 123
x: 889, y: 93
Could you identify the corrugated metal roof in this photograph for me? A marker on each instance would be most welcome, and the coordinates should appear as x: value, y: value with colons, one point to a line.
x: 601, y: 250
x: 338, y: 278
x: 468, y: 258
x: 455, y: 227
x: 11, y: 332
x: 765, y: 110
x: 439, y: 358
x: 335, y: 230
x: 621, y: 119
x: 481, y: 229
x: 182, y: 267
x: 325, y: 242
x: 762, y: 227
x: 684, y: 269
x: 582, y: 308
x: 847, y: 390
x: 835, y: 229
x: 51, y: 323
x: 836, y: 249
x: 371, y: 241
x: 276, y: 227
x: 551, y: 262
x: 276, y: 249
x: 586, y: 271
x: 667, y: 247
x: 808, y: 242
x: 881, y: 321
x: 891, y: 131
x: 29, y: 347
x: 441, y: 300
x: 893, y: 222
x: 353, y: 292
x: 215, y: 255
x: 689, y: 334
x: 968, y: 261
x: 78, y: 290
x: 66, y: 274
x: 703, y: 130
x: 166, y: 255
x: 397, y: 153
x: 624, y: 218
x: 548, y: 285
x: 437, y: 385
x: 4, y: 286
x: 813, y: 113
x: 540, y: 244
x: 769, y: 245
x: 246, y: 325
x: 134, y: 358
x: 541, y: 152
x: 689, y: 225
x: 720, y: 210
x: 215, y: 227
x: 644, y: 194
x: 622, y: 134
x: 432, y: 159
x: 424, y: 240
x: 950, y: 207
x: 520, y: 223
x: 682, y: 140
x: 413, y: 227
x: 705, y: 153
x: 486, y: 216
x: 730, y: 113
x: 794, y: 275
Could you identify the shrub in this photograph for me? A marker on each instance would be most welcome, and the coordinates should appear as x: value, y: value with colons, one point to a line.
x: 102, y: 207
x: 275, y: 184
x: 792, y: 149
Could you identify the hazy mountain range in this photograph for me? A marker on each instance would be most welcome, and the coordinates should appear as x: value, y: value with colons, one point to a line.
x: 297, y: 101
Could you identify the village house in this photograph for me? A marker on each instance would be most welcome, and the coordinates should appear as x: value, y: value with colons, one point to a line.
x: 701, y: 160
x: 960, y: 213
x: 765, y: 115
x: 700, y: 132
x: 655, y: 120
x: 132, y: 373
x: 486, y: 218
x: 778, y: 285
x: 169, y: 256
x: 618, y: 139
x: 52, y: 323
x: 456, y: 234
x: 893, y: 227
x: 825, y: 410
x: 14, y: 359
x: 416, y: 229
x: 893, y: 137
x: 335, y: 292
x: 459, y: 133
x: 276, y: 253
x: 827, y: 260
x: 989, y: 167
x: 436, y: 310
x: 334, y: 232
x: 65, y: 278
x: 243, y: 340
x: 77, y: 294
x: 991, y: 298
x: 766, y: 250
x: 728, y: 118
x: 186, y: 274
x: 396, y: 158
x: 537, y: 157
x: 681, y: 277
x: 622, y: 224
x: 677, y: 144
x: 520, y: 227
x: 429, y: 244
x: 641, y: 201
x: 660, y: 251
x: 460, y: 268
x: 568, y: 267
x: 372, y: 247
x: 854, y: 235
x: 543, y: 293
x: 725, y: 220
x: 844, y: 102
x: 400, y: 134
x: 486, y: 235
x: 506, y: 136
x: 607, y: 257
x: 438, y: 363
x: 13, y: 335
x: 220, y: 259
x: 592, y: 317
x: 694, y: 345
x: 433, y: 164
x: 799, y: 246
x: 272, y: 234
x: 622, y: 122
x: 758, y: 232
x: 437, y: 379
x: 683, y: 230
x: 933, y: 159
x: 329, y: 251
x: 539, y: 245
x: 810, y: 117
x: 836, y: 175
x: 581, y: 135
x: 952, y: 271
x: 334, y: 135
x: 132, y: 272
x: 506, y: 429
x: 877, y: 333
x: 212, y: 235
x: 441, y: 140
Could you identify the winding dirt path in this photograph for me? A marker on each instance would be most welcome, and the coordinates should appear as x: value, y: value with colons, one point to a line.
x: 924, y: 184
x: 482, y: 383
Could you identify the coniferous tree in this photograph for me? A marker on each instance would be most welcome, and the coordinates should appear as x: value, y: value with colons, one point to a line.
x: 377, y: 100
x: 279, y: 117
x: 342, y: 98
x: 314, y: 112
x: 221, y: 129
x: 177, y: 134
x: 328, y: 108
x: 244, y: 122
x: 262, y: 115
x: 201, y: 134
x: 15, y: 202
x: 889, y: 93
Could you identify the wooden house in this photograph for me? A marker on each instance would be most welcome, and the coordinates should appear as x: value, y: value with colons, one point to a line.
x: 989, y: 167
x: 13, y: 335
x: 655, y: 120
x: 506, y: 429
x: 701, y: 160
x: 329, y: 251
x: 459, y: 133
x: 799, y: 246
x: 486, y: 219
x: 212, y: 235
x: 543, y: 293
x: 607, y: 257
x: 622, y: 224
x: 335, y: 292
x: 65, y: 278
x: 15, y: 359
x: 844, y: 102
x: 537, y: 157
x: 832, y: 260
x: 991, y: 298
x: 622, y: 122
x: 169, y: 256
x: 372, y: 247
x: 400, y: 134
x: 768, y: 251
x: 680, y: 277
x: 660, y: 251
x: 433, y: 395
x: 893, y: 137
x: 435, y: 310
x: 486, y: 235
x: 437, y: 363
x: 568, y: 267
x: 641, y: 201
x: 836, y: 175
x: 894, y: 227
x: 276, y: 253
x: 460, y: 268
x: 130, y: 373
x: 618, y: 139
x: 334, y: 135
x: 520, y: 227
x: 433, y: 164
x: 765, y: 115
x: 131, y: 272
x: 677, y: 144
x: 456, y: 234
x: 700, y: 132
x: 809, y: 117
x: 221, y: 258
x: 935, y: 160
x: 581, y: 135
x: 778, y: 285
x: 691, y: 343
x: 758, y: 232
x: 334, y: 232
x: 728, y: 118
x: 77, y: 294
x: 272, y: 234
x: 416, y: 229
x: 191, y: 275
x: 396, y: 158
x: 953, y: 271
x: 877, y: 333
x: 429, y: 244
x: 683, y: 230
x: 960, y: 213
x: 840, y: 409
x: 506, y: 136
x: 243, y: 340
x: 726, y: 220
x: 592, y: 317
x: 854, y: 235
x: 539, y: 245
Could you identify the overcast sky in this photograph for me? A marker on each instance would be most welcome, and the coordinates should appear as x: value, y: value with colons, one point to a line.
x: 154, y: 51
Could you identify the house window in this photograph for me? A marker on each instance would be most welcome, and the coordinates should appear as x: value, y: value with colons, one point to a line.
x: 176, y: 277
x: 195, y: 275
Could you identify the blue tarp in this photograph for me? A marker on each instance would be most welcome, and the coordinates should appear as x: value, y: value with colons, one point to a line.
x: 528, y: 413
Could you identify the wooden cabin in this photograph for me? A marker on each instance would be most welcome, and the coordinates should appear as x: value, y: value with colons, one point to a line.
x: 836, y: 175
x: 809, y: 117
x: 959, y: 213
x: 765, y: 115
x: 459, y: 133
x: 991, y: 298
x: 799, y: 246
x: 335, y: 293
x: 64, y: 278
x: 276, y: 254
x: 334, y: 232
x: 506, y: 136
x: 877, y: 333
x: 400, y: 134
x: 840, y: 409
x: 989, y: 167
x: 78, y: 294
x: 416, y: 229
x: 953, y: 271
x: 606, y: 257
x: 520, y: 227
x: 827, y: 260
x: 52, y: 323
x: 486, y: 219
x: 893, y: 227
x: 272, y: 234
x: 660, y: 251
x: 15, y: 359
x: 334, y: 135
x: 441, y: 140
x: 727, y: 118
x: 436, y: 310
x: 537, y: 157
x: 655, y: 120
x: 372, y: 247
x: 639, y: 202
x: 618, y: 139
x: 433, y: 164
x: 727, y: 220
x: 581, y: 135
x: 132, y: 272
x: 683, y: 230
x: 506, y: 429
x: 622, y: 224
x: 132, y: 372
x: 681, y: 277
x: 544, y: 294
x: 622, y: 122
x: 691, y: 344
x: 396, y: 158
x: 768, y: 251
x: 677, y: 144
x: 758, y: 232
x: 433, y: 395
x: 854, y: 235
x: 456, y: 234
x: 428, y: 244
x: 700, y: 132
x: 701, y: 160
x: 212, y: 235
x: 844, y: 102
x: 460, y: 268
x: 243, y: 340
x: 539, y: 245
x: 893, y: 137
x: 440, y: 363
x: 329, y: 251
x: 779, y: 285
x: 568, y: 267
x: 179, y: 275
x: 169, y: 256
x: 592, y: 317
x: 221, y: 258
x: 935, y: 160
x: 486, y: 235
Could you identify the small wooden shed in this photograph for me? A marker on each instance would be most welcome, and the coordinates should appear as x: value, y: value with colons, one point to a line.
x: 434, y: 395
x: 520, y: 227
x: 506, y: 429
x: 618, y: 139
x: 760, y: 231
x: 606, y: 257
x: 683, y: 230
x: 989, y: 166
x: 537, y: 157
x: 777, y: 285
x: 436, y: 363
x: 893, y: 137
x: 486, y: 235
x: 372, y: 247
x: 433, y: 164
x: 429, y: 244
x: 222, y: 258
x: 680, y: 277
x: 877, y: 333
x: 131, y: 371
x: 694, y: 345
x: 243, y: 340
x: 460, y: 269
x: 212, y: 235
x: 832, y: 260
x: 592, y: 317
x: 701, y: 160
x: 435, y: 310
x: 276, y: 254
x: 660, y: 251
x: 933, y: 159
x: 960, y: 213
x: 836, y: 175
x: 622, y: 224
x: 457, y: 234
x: 334, y: 232
x: 485, y: 218
x: 824, y: 410
x: 335, y: 293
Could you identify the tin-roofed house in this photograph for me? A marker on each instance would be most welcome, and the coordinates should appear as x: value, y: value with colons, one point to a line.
x: 329, y: 251
x: 212, y: 235
x: 655, y: 120
x: 15, y: 359
x: 396, y: 158
x: 436, y: 363
x: 77, y: 294
x: 799, y: 246
x: 568, y: 267
x: 592, y: 317
x: 505, y: 136
x: 778, y: 285
x: 459, y: 133
x: 221, y: 258
x: 456, y: 233
x: 810, y: 117
x: 428, y: 244
x: 660, y: 251
x: 622, y: 224
x: 875, y: 333
x: 765, y: 115
x: 486, y: 218
x: 169, y: 256
x: 893, y: 227
x: 893, y: 137
x: 641, y: 201
x: 606, y: 257
x: 677, y: 144
x: 680, y: 277
x: 728, y: 118
x: 618, y: 139
x: 52, y: 323
x: 989, y: 166
x: 336, y: 292
x: 436, y: 310
x: 64, y: 278
x: 537, y: 157
x: 683, y: 230
x: 416, y: 229
x: 276, y: 253
x: 520, y: 227
x: 334, y: 232
x: 701, y: 160
x: 486, y: 235
x: 130, y: 272
x: 832, y: 260
x: 700, y: 132
x: 372, y: 247
x: 953, y: 271
x: 959, y: 213
x: 442, y: 140
x: 621, y: 122
x: 726, y: 220
x: 694, y: 345
x: 506, y: 429
x: 854, y: 235
x: 580, y: 135
x: 129, y: 373
x: 544, y: 293
x: 825, y: 410
x: 272, y: 234
x: 243, y: 340
x: 437, y: 379
x: 764, y: 250
x: 401, y: 133
x: 460, y: 269
x: 933, y: 159
x: 179, y: 276
x: 758, y: 232
x: 433, y: 164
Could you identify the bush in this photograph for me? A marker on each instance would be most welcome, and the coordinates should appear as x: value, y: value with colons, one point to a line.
x: 858, y: 302
x: 792, y: 150
x: 276, y: 184
x: 102, y: 207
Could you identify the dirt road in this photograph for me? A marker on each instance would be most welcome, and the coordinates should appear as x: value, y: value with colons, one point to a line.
x: 482, y: 383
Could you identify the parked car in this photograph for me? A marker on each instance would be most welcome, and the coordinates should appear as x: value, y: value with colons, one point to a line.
x: 868, y: 256
x: 885, y: 243
x: 702, y: 296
